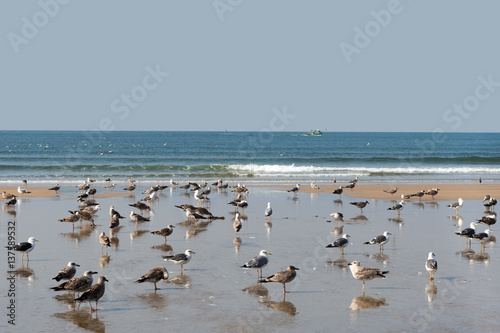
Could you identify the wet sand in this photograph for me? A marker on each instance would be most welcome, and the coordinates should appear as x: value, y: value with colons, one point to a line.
x: 215, y: 294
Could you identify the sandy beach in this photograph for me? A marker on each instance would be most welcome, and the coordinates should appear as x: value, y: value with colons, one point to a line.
x: 447, y: 192
x: 214, y: 286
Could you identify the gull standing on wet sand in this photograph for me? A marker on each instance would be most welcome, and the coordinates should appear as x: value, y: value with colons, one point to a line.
x: 154, y: 275
x: 360, y: 204
x: 282, y: 277
x: 164, y: 232
x: 237, y: 223
x: 457, y: 205
x: 24, y: 247
x: 431, y: 265
x: 380, y: 240
x: 338, y: 191
x: 398, y: 207
x: 258, y: 262
x: 294, y: 189
x: 269, y: 211
x: 341, y: 243
x: 337, y: 216
x: 180, y: 258
x: 94, y: 293
x: 67, y: 272
x: 365, y: 273
x: 104, y: 240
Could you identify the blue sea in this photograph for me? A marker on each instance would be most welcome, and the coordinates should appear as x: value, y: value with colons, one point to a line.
x: 251, y: 157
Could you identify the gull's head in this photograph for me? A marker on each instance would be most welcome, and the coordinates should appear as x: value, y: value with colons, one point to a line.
x: 431, y: 255
x: 387, y: 233
x: 32, y: 240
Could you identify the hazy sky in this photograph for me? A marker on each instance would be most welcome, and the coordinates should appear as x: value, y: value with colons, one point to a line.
x: 250, y: 65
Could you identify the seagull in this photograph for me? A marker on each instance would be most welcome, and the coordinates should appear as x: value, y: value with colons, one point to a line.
x: 491, y: 203
x: 140, y: 205
x: 6, y: 195
x: 237, y: 223
x: 341, y: 243
x: 365, y: 273
x: 164, y: 232
x: 360, y: 204
x: 431, y: 265
x: 482, y: 237
x: 295, y: 189
x: 67, y: 272
x: 457, y: 205
x: 115, y: 221
x: 154, y: 275
x: 24, y: 247
x: 130, y: 188
x: 94, y: 293
x: 104, y: 240
x: 350, y: 185
x: 380, y: 240
x: 419, y: 194
x: 180, y: 258
x: 77, y: 285
x: 398, y: 207
x: 173, y: 183
x: 337, y: 216
x: 22, y: 191
x: 282, y: 277
x: 198, y: 196
x: 338, y: 191
x: 11, y: 202
x: 55, y: 188
x: 468, y: 232
x: 489, y: 220
x: 391, y: 191
x: 354, y: 181
x: 258, y: 262
x: 138, y: 218
x: 432, y: 192
x: 314, y: 186
x: 113, y: 212
x: 269, y: 211
x: 192, y: 215
x: 130, y: 180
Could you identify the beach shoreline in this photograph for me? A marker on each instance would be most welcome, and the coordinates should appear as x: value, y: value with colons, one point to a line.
x: 447, y: 192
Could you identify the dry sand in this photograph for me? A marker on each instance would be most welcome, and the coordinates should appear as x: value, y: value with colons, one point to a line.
x: 44, y: 192
x: 448, y: 192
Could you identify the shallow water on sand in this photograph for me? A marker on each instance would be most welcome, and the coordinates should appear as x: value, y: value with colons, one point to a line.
x: 215, y: 294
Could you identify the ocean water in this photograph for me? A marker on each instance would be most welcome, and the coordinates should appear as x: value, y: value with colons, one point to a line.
x: 253, y: 157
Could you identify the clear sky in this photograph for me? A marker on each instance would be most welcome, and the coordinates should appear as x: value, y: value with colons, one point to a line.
x: 250, y: 65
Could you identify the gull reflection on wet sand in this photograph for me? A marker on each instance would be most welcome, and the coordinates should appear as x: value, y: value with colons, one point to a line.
x: 154, y: 300
x: 366, y: 302
x: 83, y: 319
x: 284, y: 306
x: 181, y: 280
x: 431, y: 290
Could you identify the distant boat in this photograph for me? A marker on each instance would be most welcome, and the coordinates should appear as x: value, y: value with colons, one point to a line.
x: 315, y: 133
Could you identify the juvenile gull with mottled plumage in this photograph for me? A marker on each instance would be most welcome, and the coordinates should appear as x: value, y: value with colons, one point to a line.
x: 154, y: 275
x: 282, y: 277
x: 365, y: 273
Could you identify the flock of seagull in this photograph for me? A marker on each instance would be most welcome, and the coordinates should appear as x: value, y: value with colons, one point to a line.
x: 88, y: 207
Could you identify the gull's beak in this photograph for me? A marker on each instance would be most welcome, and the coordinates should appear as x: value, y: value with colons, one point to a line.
x: 269, y: 253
